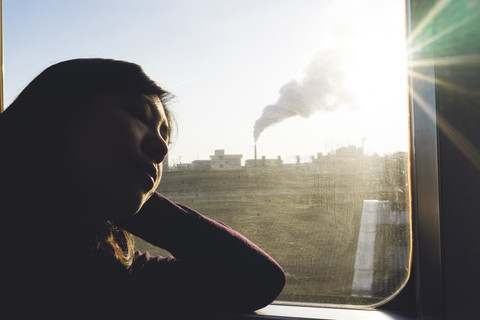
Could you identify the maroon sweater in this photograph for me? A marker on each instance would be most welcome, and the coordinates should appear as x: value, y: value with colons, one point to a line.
x: 212, y: 269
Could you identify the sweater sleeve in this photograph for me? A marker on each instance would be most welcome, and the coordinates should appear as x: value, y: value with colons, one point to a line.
x: 212, y: 267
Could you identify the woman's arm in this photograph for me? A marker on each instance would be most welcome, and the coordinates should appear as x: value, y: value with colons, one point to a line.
x: 213, y: 267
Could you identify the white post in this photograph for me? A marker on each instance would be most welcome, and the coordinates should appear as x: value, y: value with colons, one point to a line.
x: 364, y: 261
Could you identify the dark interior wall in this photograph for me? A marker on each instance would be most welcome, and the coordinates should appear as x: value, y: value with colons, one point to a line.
x: 458, y: 116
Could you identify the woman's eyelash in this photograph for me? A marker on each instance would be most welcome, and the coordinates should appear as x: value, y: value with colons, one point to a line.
x: 140, y: 114
x: 164, y: 132
x: 145, y: 116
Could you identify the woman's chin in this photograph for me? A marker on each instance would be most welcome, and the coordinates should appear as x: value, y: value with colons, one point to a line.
x: 127, y: 206
x: 117, y: 206
x: 110, y: 203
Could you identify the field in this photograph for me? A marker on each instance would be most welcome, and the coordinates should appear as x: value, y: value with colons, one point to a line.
x: 308, y: 222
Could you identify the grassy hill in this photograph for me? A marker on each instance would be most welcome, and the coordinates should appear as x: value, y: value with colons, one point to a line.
x: 308, y: 222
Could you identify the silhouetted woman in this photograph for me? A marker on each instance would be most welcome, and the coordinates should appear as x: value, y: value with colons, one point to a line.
x: 81, y: 157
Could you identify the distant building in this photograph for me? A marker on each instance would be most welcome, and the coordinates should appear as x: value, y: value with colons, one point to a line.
x: 182, y: 166
x: 263, y: 162
x: 201, y: 165
x: 349, y: 152
x: 344, y: 160
x: 165, y: 164
x: 221, y: 161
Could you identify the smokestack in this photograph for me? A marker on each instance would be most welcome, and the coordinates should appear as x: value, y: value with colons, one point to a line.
x: 165, y: 164
x: 255, y: 154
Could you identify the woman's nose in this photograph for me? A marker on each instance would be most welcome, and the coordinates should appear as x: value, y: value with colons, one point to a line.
x: 155, y: 148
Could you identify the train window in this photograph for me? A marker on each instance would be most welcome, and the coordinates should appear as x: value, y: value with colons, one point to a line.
x: 293, y: 122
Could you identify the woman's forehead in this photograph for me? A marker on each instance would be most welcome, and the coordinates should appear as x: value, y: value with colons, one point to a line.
x: 155, y: 104
x: 136, y: 100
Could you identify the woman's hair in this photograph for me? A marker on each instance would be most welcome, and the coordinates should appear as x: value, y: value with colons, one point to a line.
x: 32, y: 127
x: 64, y: 89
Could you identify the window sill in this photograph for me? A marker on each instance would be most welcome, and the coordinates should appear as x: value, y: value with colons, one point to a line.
x: 301, y: 312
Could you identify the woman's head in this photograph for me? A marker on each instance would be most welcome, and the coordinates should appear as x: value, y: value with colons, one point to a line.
x: 114, y: 152
x: 97, y: 127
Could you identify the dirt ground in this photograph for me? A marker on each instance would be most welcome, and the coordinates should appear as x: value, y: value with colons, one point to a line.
x: 307, y: 222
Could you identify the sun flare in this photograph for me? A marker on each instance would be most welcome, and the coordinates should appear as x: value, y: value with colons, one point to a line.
x: 365, y: 72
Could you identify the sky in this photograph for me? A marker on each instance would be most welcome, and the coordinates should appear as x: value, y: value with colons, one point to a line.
x: 296, y: 77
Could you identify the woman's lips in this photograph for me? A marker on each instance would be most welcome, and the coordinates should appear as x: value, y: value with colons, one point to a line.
x: 148, y: 174
x: 151, y: 170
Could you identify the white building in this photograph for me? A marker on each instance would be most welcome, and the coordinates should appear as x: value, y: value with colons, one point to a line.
x: 222, y: 161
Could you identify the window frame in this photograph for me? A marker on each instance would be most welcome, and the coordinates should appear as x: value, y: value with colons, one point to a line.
x: 1, y: 58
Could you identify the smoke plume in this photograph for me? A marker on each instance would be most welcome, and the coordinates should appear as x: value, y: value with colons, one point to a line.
x: 322, y: 88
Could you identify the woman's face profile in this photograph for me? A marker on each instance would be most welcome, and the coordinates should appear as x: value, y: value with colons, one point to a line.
x: 114, y: 153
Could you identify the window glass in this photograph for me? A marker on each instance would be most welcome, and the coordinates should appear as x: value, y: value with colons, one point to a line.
x: 292, y: 121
